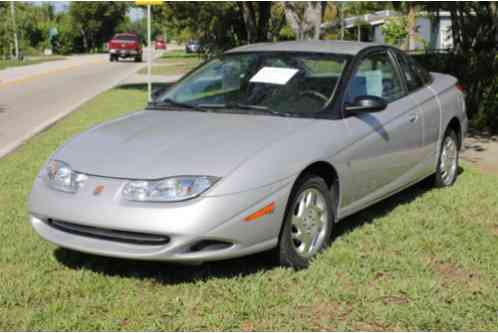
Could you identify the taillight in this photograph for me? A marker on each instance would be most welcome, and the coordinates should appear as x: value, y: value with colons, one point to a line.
x: 460, y: 87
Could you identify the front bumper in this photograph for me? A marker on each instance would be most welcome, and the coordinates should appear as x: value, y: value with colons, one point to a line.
x: 205, y: 220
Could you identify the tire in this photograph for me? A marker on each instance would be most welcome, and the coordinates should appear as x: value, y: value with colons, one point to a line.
x: 447, y: 164
x: 111, y: 58
x: 138, y: 59
x: 292, y: 252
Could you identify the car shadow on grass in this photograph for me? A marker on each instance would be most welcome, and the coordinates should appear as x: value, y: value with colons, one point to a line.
x: 170, y: 273
x: 142, y: 87
x: 163, y: 272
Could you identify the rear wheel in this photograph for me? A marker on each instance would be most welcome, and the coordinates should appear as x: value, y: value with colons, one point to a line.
x: 138, y: 58
x: 447, y: 167
x: 111, y: 58
x: 307, y: 224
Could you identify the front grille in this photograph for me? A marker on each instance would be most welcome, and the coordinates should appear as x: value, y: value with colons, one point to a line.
x: 110, y: 234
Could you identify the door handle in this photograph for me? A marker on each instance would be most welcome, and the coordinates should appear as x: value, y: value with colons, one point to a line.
x: 413, y: 117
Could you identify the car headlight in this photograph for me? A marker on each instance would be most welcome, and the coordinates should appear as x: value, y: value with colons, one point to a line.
x: 168, y: 189
x: 60, y: 176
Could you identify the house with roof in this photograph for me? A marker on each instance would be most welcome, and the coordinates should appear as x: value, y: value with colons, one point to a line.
x: 433, y: 32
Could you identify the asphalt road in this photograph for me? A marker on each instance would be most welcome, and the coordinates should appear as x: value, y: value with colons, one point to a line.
x: 34, y: 97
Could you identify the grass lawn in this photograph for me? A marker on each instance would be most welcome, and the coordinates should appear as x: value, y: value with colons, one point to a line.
x: 173, y: 63
x: 14, y: 63
x: 169, y: 69
x: 424, y: 259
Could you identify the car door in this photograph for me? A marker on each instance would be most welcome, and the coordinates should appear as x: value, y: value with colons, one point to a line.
x: 417, y: 82
x: 386, y: 145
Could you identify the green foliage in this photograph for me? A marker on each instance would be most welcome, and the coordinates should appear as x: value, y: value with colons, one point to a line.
x: 473, y: 58
x: 96, y: 21
x: 394, y: 30
x: 219, y: 25
x: 5, y: 31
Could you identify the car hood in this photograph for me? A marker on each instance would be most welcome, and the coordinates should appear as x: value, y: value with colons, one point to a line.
x: 157, y: 144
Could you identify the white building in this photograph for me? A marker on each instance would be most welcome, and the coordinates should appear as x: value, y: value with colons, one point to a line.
x: 434, y: 32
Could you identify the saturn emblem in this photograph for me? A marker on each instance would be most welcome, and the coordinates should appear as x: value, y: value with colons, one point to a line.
x: 98, y: 190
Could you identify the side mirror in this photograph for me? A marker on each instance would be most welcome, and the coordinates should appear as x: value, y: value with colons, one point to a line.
x: 367, y: 104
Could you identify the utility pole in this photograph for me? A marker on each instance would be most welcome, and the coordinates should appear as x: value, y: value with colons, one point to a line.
x: 16, y: 41
x: 149, y: 3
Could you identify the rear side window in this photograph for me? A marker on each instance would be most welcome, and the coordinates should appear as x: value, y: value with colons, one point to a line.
x: 413, y: 79
x: 376, y: 76
x: 424, y: 75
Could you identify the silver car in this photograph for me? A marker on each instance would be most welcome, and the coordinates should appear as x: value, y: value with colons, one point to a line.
x: 263, y: 148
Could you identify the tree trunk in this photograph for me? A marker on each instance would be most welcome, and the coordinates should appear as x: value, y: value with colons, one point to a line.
x: 304, y: 18
x: 85, y: 40
x: 412, y: 26
x: 293, y: 16
x: 256, y: 16
x: 14, y: 26
x: 313, y: 18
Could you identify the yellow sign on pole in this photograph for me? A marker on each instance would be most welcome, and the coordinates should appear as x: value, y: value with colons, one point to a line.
x: 148, y: 2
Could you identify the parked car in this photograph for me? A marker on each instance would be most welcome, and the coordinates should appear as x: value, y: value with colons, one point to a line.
x: 192, y: 46
x: 125, y: 45
x: 265, y: 148
x: 160, y: 44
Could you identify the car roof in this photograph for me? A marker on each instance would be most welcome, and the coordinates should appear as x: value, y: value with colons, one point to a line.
x: 319, y: 46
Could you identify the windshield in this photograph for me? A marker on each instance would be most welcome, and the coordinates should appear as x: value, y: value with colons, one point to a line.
x: 282, y: 83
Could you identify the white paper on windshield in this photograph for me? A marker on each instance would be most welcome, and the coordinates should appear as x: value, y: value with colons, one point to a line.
x: 374, y: 82
x: 274, y: 75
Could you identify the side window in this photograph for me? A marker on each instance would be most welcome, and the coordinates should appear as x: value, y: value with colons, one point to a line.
x: 413, y: 79
x: 424, y: 75
x: 375, y: 76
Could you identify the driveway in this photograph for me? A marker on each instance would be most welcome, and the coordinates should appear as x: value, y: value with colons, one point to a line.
x: 481, y: 150
x: 34, y: 97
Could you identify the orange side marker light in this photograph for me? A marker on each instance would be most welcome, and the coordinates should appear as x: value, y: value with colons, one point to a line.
x: 268, y: 209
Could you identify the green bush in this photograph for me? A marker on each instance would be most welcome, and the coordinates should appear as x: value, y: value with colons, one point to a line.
x: 483, y: 102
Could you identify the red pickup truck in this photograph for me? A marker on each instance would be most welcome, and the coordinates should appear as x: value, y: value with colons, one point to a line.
x: 125, y: 45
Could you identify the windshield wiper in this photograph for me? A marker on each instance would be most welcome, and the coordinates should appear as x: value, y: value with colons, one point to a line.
x: 252, y: 108
x: 168, y: 102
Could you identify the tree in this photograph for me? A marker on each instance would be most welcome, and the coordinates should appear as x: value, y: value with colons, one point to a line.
x: 218, y: 25
x: 96, y: 21
x: 304, y: 18
x: 256, y: 16
x: 409, y: 9
x: 473, y: 57
x: 395, y: 31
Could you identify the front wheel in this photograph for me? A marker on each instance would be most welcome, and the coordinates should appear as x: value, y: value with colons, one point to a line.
x: 307, y: 224
x: 447, y: 167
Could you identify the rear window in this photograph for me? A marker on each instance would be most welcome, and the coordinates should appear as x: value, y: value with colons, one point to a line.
x: 125, y: 37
